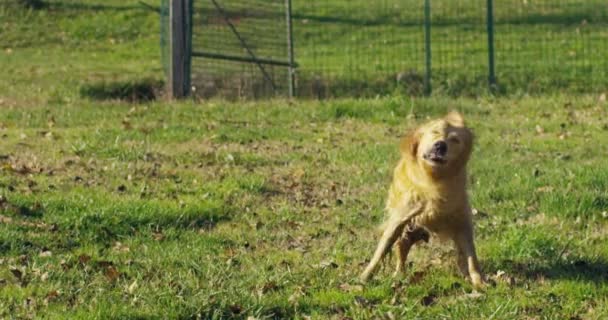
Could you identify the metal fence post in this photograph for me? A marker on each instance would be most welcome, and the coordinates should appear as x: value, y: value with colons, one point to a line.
x: 490, y: 22
x: 427, y: 46
x: 291, y: 69
x: 180, y: 47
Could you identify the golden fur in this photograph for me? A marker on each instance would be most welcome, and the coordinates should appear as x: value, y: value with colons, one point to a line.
x: 428, y: 192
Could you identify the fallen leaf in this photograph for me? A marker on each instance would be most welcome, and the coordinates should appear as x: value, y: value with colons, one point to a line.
x: 350, y: 288
x: 295, y: 296
x: 539, y: 129
x: 45, y: 254
x: 474, y: 295
x: 5, y: 219
x: 417, y: 277
x: 126, y: 123
x: 233, y: 262
x: 544, y: 189
x: 65, y: 265
x: 328, y: 264
x: 268, y: 287
x: 112, y: 273
x: 298, y: 174
x: 104, y: 264
x: 119, y: 247
x: 53, y: 295
x: 132, y: 287
x: 158, y: 236
x: 503, y: 277
x: 84, y: 259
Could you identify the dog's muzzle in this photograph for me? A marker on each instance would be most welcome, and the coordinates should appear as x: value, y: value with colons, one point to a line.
x: 437, y: 153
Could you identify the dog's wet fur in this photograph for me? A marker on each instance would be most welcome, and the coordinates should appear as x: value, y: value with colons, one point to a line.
x: 428, y: 195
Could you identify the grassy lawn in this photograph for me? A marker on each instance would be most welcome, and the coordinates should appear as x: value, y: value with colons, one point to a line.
x: 114, y: 206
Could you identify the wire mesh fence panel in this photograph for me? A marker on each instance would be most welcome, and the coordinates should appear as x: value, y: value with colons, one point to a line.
x: 368, y: 48
x: 546, y: 45
x: 236, y: 45
x: 459, y: 46
x: 358, y: 47
x: 377, y: 47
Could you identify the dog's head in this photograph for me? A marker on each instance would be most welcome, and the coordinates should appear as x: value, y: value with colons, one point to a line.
x: 442, y: 147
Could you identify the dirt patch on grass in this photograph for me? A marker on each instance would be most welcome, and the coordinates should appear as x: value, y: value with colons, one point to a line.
x: 299, y: 188
x: 268, y: 148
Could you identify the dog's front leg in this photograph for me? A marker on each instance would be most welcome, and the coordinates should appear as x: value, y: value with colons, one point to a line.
x: 404, y: 244
x: 467, y: 258
x: 393, y: 230
x: 409, y: 238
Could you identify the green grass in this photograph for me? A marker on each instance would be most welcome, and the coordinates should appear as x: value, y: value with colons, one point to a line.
x: 270, y: 208
x: 120, y: 205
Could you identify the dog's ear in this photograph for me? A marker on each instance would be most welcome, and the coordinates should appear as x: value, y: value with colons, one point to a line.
x: 409, y: 143
x: 455, y: 119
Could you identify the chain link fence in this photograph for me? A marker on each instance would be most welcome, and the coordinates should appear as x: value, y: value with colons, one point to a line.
x: 368, y: 48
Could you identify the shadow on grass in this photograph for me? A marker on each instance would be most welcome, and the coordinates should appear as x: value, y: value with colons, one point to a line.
x: 109, y: 226
x: 21, y: 210
x: 60, y: 5
x: 236, y: 311
x: 131, y: 91
x: 582, y: 15
x: 33, y: 4
x: 581, y: 269
x: 568, y: 15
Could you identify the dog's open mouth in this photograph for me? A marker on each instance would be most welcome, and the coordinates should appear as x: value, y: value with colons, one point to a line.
x: 434, y: 157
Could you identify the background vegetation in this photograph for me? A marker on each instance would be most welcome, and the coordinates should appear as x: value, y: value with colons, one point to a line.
x: 117, y: 204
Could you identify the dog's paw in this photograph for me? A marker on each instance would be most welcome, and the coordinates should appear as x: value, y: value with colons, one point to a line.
x: 364, y: 277
x: 478, y: 283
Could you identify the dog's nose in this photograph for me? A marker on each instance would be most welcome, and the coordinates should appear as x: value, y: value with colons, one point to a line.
x: 440, y: 147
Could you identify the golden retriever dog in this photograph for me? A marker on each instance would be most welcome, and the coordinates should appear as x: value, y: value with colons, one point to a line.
x: 428, y: 192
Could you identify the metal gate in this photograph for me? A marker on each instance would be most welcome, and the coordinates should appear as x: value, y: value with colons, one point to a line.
x: 242, y: 48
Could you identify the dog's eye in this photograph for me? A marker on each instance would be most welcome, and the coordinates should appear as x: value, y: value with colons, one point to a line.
x: 454, y: 139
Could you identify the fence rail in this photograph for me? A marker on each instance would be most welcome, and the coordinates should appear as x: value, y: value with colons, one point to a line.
x: 366, y: 48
